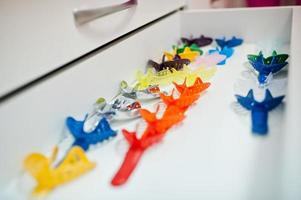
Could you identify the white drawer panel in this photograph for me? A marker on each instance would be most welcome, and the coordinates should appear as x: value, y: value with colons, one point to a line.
x: 38, y: 37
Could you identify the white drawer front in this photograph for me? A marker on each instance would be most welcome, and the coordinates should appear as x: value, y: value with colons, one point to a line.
x: 38, y: 37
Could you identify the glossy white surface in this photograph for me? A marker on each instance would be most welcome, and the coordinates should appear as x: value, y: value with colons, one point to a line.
x: 40, y: 36
x: 212, y: 155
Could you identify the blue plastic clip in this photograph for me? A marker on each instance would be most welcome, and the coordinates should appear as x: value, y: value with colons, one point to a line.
x: 102, y: 132
x: 267, y: 66
x: 229, y: 43
x: 259, y: 110
x: 228, y: 52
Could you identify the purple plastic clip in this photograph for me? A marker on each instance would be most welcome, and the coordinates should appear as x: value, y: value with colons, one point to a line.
x: 200, y: 41
x: 177, y: 63
x: 259, y: 110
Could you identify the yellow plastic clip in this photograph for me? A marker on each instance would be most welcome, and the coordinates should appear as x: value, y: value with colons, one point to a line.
x: 166, y: 77
x: 143, y: 80
x: 186, y: 54
x: 170, y: 56
x: 191, y: 75
x: 162, y: 78
x: 74, y: 165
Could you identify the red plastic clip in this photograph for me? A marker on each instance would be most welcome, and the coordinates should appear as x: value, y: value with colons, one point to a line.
x: 133, y: 155
x: 155, y: 131
x: 156, y: 128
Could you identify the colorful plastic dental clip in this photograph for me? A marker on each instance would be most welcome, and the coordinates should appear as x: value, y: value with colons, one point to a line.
x: 201, y: 72
x: 229, y: 43
x: 186, y: 99
x: 193, y: 47
x: 83, y: 139
x: 198, y: 87
x: 176, y: 62
x: 267, y: 66
x: 259, y: 110
x: 153, y: 133
x: 171, y: 116
x: 133, y: 155
x: 187, y: 53
x: 121, y: 108
x: 200, y: 41
x: 166, y: 77
x: 74, y: 165
x: 209, y: 60
x: 226, y: 51
x: 151, y: 92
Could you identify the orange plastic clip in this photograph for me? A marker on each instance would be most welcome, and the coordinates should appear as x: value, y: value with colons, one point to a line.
x: 172, y: 115
x: 196, y: 88
x: 74, y: 165
x: 185, y: 100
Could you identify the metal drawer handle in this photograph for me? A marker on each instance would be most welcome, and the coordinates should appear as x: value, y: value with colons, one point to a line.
x: 85, y: 15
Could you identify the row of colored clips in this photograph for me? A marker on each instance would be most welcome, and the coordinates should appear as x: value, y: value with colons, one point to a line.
x: 157, y: 128
x: 95, y: 128
x: 265, y: 69
x: 186, y: 64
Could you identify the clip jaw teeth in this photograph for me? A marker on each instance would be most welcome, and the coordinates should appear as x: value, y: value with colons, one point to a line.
x: 259, y: 110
